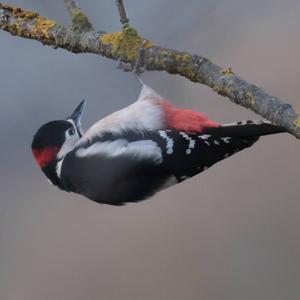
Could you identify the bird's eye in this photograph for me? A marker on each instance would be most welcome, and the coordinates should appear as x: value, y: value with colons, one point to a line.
x: 71, y: 131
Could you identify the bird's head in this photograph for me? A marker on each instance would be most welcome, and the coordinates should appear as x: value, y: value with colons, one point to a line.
x: 56, y: 139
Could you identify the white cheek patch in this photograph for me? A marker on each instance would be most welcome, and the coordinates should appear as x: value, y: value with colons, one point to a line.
x: 68, y: 145
x: 145, y: 149
x: 58, y: 167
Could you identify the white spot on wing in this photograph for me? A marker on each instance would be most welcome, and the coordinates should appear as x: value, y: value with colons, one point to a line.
x: 192, y: 142
x: 170, y: 141
x: 226, y: 140
x: 241, y: 123
x: 204, y: 136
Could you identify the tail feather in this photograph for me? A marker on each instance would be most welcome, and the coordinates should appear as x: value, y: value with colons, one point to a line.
x: 246, y: 129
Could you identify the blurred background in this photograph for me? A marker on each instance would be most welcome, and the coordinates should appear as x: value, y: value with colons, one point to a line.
x: 230, y: 233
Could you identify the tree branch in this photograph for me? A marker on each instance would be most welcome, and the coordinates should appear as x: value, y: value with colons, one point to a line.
x: 79, y: 20
x: 125, y: 46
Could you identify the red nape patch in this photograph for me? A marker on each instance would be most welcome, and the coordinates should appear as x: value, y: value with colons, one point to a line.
x: 186, y: 119
x: 44, y: 156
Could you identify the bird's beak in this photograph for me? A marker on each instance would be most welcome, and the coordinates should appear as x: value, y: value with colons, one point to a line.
x: 76, y: 116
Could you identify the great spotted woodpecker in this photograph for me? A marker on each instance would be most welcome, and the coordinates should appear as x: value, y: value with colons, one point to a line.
x: 137, y: 151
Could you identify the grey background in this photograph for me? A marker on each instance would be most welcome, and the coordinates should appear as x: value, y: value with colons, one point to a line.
x: 230, y: 233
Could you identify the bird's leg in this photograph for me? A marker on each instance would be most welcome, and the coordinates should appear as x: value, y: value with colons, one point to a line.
x: 138, y: 68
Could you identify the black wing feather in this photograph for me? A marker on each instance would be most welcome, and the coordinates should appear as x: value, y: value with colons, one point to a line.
x: 193, y: 153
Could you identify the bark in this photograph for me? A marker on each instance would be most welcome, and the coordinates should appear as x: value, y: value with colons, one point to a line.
x: 125, y: 46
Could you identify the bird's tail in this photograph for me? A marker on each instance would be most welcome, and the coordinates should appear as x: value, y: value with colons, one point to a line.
x: 246, y: 129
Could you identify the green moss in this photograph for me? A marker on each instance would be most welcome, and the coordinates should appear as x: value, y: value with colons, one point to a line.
x: 80, y: 20
x: 125, y: 44
x: 164, y: 53
x: 297, y: 121
x: 188, y: 72
x: 251, y: 98
x: 222, y: 89
x: 186, y: 58
x: 228, y: 72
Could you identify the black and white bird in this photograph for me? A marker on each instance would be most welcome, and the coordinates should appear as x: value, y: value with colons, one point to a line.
x: 137, y: 151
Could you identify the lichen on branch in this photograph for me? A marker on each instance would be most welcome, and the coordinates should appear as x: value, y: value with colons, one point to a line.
x: 26, y: 24
x: 125, y: 46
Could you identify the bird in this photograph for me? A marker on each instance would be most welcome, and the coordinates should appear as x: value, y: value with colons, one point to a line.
x: 139, y: 150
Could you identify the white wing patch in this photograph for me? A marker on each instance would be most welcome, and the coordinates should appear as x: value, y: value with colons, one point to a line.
x: 145, y: 149
x: 170, y: 141
x: 109, y: 148
x: 192, y: 142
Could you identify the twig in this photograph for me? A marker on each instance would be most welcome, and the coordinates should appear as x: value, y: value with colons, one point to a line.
x: 79, y: 20
x: 125, y: 46
x: 71, y: 4
x: 122, y: 12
